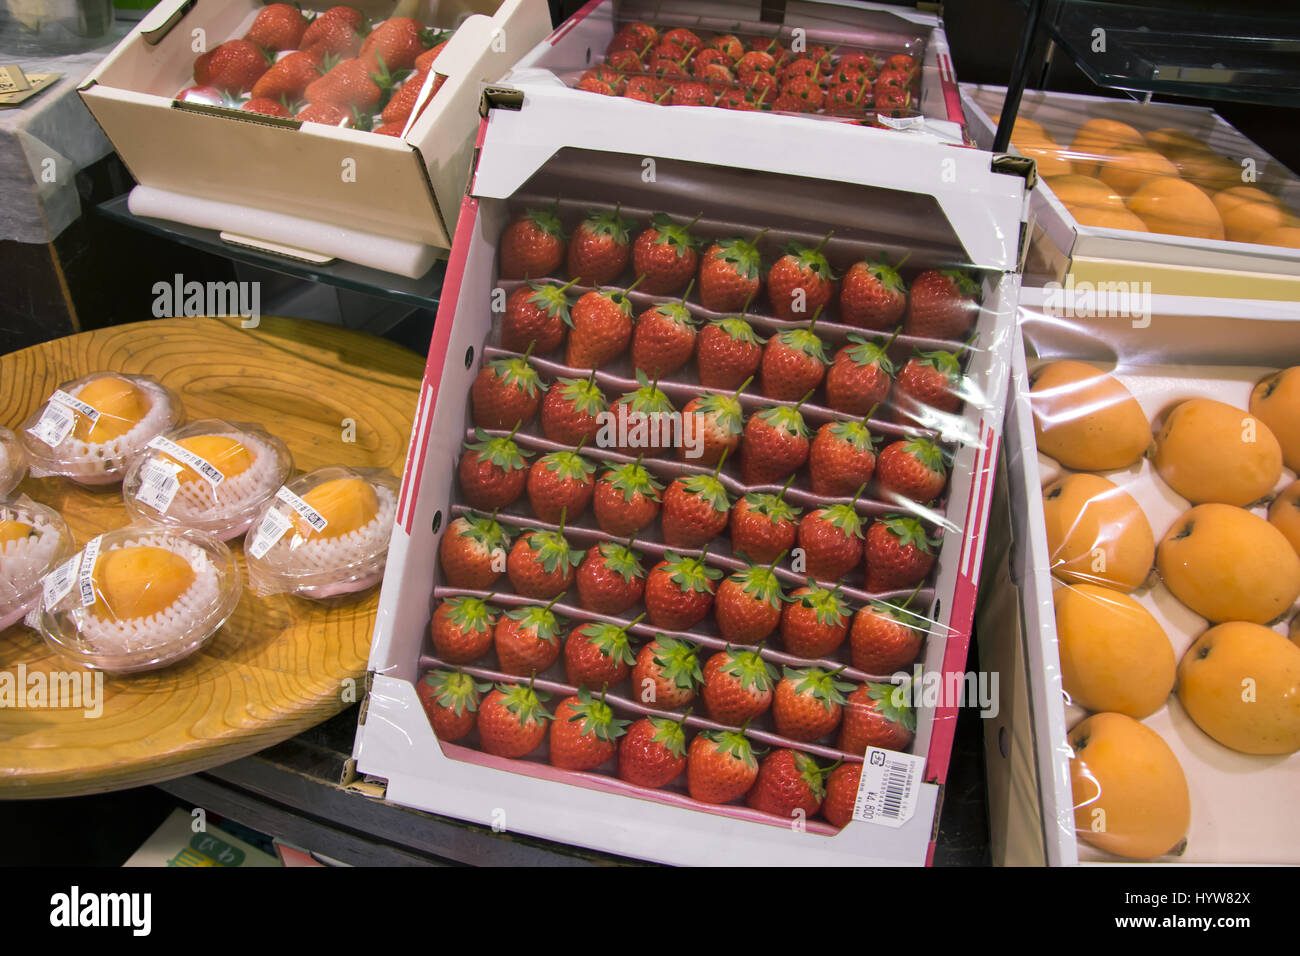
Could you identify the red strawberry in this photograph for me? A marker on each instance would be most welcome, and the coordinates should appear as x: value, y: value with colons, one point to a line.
x: 859, y: 378
x: 802, y: 94
x: 664, y: 338
x: 506, y: 393
x: 664, y: 50
x: 775, y: 445
x: 610, y: 579
x: 330, y: 114
x: 789, y: 785
x: 944, y: 304
x: 877, y: 715
x: 711, y: 427
x: 885, y: 638
x: 666, y: 674
x: 728, y: 44
x: 424, y: 62
x: 794, y: 363
x: 597, y: 655
x: 801, y: 281
x: 849, y: 97
x: 320, y: 29
x: 653, y: 752
x: 450, y: 700
x: 492, y: 472
x: 571, y: 411
x: 708, y: 61
x: 831, y: 540
x: 691, y: 93
x: 626, y: 499
x: 333, y: 36
x: 288, y: 79
x: 665, y: 64
x: 902, y: 62
x: 809, y: 67
x: 601, y: 327
x: 808, y: 702
x: 842, y: 794
x: 473, y: 552
x: 763, y: 525
x: 398, y: 109
x: 462, y: 629
x: 599, y: 248
x: 898, y: 554
x: 260, y: 104
x: 912, y: 469
x: 761, y: 86
x: 841, y: 460
x: 561, y: 484
x: 772, y: 47
x: 858, y: 63
x: 626, y: 61
x: 602, y: 81
x: 533, y: 245
x: 664, y: 253
x: 747, y: 607
x: 727, y: 353
x: 720, y: 766
x: 814, y: 622
x: 527, y: 640
x: 679, y: 592
x: 684, y: 38
x: 634, y: 36
x: 742, y: 99
x: 694, y: 510
x: 731, y: 274
x: 349, y: 85
x: 647, y: 89
x: 512, y: 720
x: 929, y: 380
x: 394, y: 44
x: 755, y: 62
x: 585, y: 732
x: 642, y: 420
x: 233, y: 67
x: 872, y: 295
x: 737, y: 686
x: 542, y: 564
x: 535, y: 313
x: 278, y: 26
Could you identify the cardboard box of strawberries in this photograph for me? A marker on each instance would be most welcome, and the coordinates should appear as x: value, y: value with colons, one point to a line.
x: 695, y: 495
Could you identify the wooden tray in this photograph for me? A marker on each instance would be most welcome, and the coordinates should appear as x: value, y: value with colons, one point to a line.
x: 281, y: 664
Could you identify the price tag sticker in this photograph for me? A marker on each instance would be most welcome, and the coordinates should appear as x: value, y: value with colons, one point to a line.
x: 271, y: 530
x: 210, y: 472
x: 56, y: 422
x: 56, y: 585
x: 309, y: 514
x: 158, y: 485
x: 86, y: 577
x: 889, y: 787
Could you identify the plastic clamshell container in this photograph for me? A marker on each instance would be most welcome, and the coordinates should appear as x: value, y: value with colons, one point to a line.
x: 33, y: 539
x: 13, y: 462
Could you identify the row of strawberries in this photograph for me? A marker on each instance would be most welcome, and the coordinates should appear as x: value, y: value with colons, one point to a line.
x: 719, y: 766
x: 730, y: 277
x: 679, y: 68
x: 332, y: 70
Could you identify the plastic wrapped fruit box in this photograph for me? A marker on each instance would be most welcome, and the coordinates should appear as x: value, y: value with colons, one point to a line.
x: 1163, y: 194
x: 314, y: 188
x: 876, y: 194
x: 1235, y: 807
x: 856, y: 63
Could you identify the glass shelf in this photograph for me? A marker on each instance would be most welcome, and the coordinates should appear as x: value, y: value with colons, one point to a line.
x: 421, y: 293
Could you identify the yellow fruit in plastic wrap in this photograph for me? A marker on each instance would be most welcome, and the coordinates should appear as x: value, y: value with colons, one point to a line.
x: 1248, y: 212
x: 1127, y: 167
x: 1075, y: 190
x: 120, y: 403
x: 1275, y: 401
x: 224, y: 453
x: 1085, y: 418
x: 1114, y: 655
x: 1286, y: 236
x: 1213, y: 451
x: 14, y: 531
x: 1130, y: 793
x: 1103, y: 218
x: 1096, y: 137
x: 1097, y: 533
x: 1240, y: 683
x: 1227, y: 564
x: 141, y: 581
x: 347, y: 504
x: 1284, y: 514
x: 1207, y: 170
x: 1171, y: 140
x: 1170, y: 205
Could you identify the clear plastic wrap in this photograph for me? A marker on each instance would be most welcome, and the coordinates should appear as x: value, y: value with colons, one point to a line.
x: 33, y: 539
x: 323, y: 535
x: 139, y: 598
x: 91, y: 427
x: 13, y: 461
x: 210, y: 474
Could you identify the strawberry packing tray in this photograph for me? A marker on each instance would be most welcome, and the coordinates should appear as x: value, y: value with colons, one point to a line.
x: 934, y: 107
x: 1175, y: 265
x: 302, y: 189
x: 595, y: 158
x: 1240, y: 804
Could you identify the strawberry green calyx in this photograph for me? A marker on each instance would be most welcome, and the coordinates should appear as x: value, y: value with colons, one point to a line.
x: 568, y: 465
x: 812, y: 258
x: 471, y: 613
x: 887, y: 275
x: 547, y: 221
x: 944, y: 362
x: 738, y: 329
x: 609, y: 223
x: 621, y: 559
x: 670, y: 733
x: 552, y: 299
x: 908, y: 531
x: 812, y: 773
x: 742, y: 255
x: 456, y: 690
x: 597, y: 717
x: 965, y: 284
x: 785, y: 418
x: 583, y: 393
x: 502, y: 452
x: 761, y: 582
x: 709, y: 490
x: 725, y: 411
x: 611, y: 639
x: 672, y: 234
x: 866, y: 354
x: 804, y: 341
x: 525, y: 702
x: 690, y: 574
x: 539, y: 619
x: 845, y: 518
x: 832, y: 610
x: 649, y: 398
x: 733, y: 743
x: 679, y: 662
x: 632, y: 479
x: 774, y: 507
x: 486, y: 531
x: 927, y: 453
x: 749, y: 668
x: 551, y: 549
x: 891, y: 702
x: 518, y: 373
x: 855, y: 434
x: 819, y: 684
x: 676, y: 313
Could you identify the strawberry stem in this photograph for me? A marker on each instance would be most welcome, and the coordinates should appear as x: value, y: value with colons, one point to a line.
x: 689, y: 286
x: 569, y: 283
x: 736, y: 393
x: 858, y: 494
x: 762, y: 232
x: 816, y: 315
x: 915, y: 591
x: 723, y: 457
x: 770, y: 568
x: 549, y: 605
x: 907, y: 255
x: 529, y: 351
x: 799, y: 404
x: 825, y: 239
x: 511, y: 436
x: 639, y: 280
x: 784, y: 488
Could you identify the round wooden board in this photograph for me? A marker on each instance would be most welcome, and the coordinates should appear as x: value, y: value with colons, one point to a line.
x: 280, y: 665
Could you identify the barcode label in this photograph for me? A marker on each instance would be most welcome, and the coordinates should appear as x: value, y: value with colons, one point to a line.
x: 902, y: 122
x: 158, y: 485
x: 56, y: 585
x: 76, y: 404
x: 55, y: 423
x: 86, y: 578
x: 271, y: 530
x: 309, y: 514
x: 210, y: 472
x: 888, y: 790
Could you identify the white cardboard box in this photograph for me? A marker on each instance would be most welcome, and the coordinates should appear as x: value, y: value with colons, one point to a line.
x: 979, y: 210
